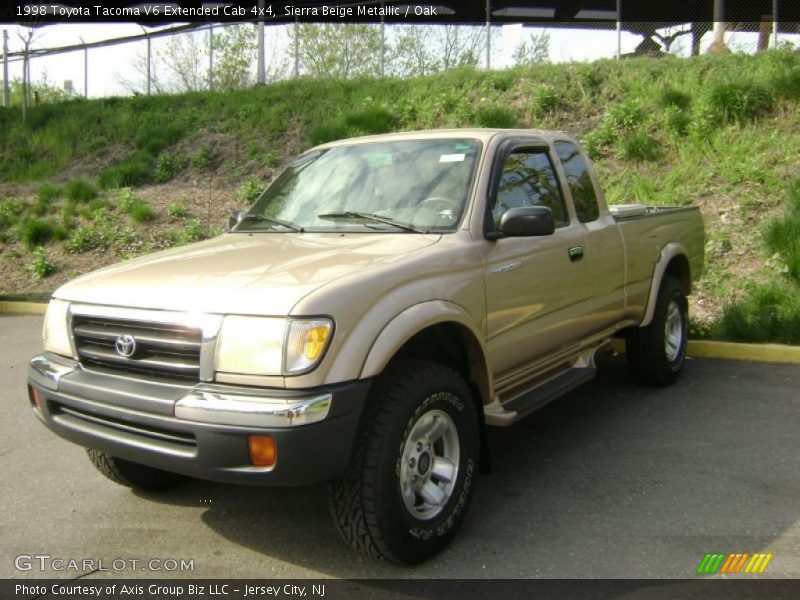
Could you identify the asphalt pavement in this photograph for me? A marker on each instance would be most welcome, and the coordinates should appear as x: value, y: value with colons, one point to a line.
x: 612, y: 481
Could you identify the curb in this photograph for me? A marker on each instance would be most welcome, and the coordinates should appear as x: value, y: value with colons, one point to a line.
x: 22, y: 308
x: 772, y: 353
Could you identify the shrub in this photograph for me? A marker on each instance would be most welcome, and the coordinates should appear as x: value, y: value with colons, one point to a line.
x: 544, y: 101
x: 783, y: 234
x: 35, y: 232
x: 167, y: 165
x: 625, y: 117
x: 48, y: 192
x: 202, y: 158
x: 134, y: 170
x: 496, y: 116
x: 671, y: 98
x: 40, y: 266
x: 677, y: 122
x: 327, y: 132
x: 84, y: 239
x: 177, y: 210
x: 141, y: 211
x: 739, y: 101
x: 271, y: 159
x: 249, y: 191
x: 80, y: 190
x: 640, y: 147
x: 596, y: 141
x: 370, y: 120
x: 126, y: 200
x: 768, y: 313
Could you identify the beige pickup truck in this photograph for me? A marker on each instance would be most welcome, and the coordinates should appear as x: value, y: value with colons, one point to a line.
x: 384, y: 301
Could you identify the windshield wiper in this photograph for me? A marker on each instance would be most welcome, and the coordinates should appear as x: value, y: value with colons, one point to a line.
x: 286, y: 224
x: 370, y: 217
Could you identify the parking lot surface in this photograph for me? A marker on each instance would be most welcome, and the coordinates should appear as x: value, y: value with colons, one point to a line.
x: 613, y: 480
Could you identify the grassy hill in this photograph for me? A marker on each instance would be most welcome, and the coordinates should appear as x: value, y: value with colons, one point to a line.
x: 86, y: 183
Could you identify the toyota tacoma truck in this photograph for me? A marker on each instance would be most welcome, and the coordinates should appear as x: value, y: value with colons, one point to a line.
x: 383, y: 302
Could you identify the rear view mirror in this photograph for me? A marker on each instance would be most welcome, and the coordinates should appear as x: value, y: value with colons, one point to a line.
x: 526, y: 221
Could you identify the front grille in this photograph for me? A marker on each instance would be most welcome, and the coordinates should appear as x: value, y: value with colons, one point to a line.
x: 165, y: 351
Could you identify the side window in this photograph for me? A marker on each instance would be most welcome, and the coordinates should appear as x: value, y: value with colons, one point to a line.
x: 580, y: 183
x: 528, y: 179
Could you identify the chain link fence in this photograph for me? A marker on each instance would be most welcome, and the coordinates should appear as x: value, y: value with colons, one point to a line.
x: 72, y: 60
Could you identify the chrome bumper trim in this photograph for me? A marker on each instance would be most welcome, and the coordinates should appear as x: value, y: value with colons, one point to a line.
x: 49, y: 369
x: 252, y: 411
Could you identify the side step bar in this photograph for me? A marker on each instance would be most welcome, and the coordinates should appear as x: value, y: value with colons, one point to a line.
x: 523, y: 405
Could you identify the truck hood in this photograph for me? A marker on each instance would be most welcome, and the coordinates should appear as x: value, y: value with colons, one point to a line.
x: 260, y: 274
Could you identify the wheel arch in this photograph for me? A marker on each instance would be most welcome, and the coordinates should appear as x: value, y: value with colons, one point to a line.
x: 438, y: 331
x: 673, y: 262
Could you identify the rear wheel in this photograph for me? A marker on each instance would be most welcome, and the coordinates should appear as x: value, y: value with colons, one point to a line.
x: 656, y: 353
x: 412, y: 473
x: 133, y: 475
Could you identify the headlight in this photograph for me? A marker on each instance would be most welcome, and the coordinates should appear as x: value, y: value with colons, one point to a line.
x: 251, y: 345
x: 56, y: 331
x: 306, y: 341
x: 271, y: 346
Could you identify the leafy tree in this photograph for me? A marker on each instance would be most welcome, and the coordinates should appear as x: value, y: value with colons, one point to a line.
x: 340, y: 50
x: 534, y: 50
x: 234, y: 54
x: 425, y: 49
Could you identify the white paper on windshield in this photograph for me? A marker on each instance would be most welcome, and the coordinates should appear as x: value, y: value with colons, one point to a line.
x: 445, y: 158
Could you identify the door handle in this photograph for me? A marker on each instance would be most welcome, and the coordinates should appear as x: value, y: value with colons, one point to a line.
x: 575, y: 253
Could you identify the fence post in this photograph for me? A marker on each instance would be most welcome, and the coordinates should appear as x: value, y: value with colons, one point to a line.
x: 211, y: 57
x: 619, y: 29
x: 5, y: 68
x: 148, y: 63
x: 296, y: 47
x: 261, y: 76
x: 85, y: 69
x: 383, y: 43
x: 775, y: 23
x: 488, y: 34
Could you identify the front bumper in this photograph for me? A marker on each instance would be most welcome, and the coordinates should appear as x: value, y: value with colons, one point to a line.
x: 200, y: 430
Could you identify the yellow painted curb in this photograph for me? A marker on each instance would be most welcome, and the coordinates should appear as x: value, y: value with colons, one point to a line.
x: 22, y: 308
x: 774, y: 353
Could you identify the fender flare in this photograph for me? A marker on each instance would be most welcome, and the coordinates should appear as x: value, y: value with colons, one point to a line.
x: 417, y: 318
x: 669, y: 252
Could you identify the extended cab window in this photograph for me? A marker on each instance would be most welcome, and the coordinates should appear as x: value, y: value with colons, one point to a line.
x: 579, y: 181
x: 528, y: 179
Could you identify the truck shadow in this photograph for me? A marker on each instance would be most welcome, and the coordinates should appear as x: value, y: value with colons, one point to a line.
x: 613, y: 480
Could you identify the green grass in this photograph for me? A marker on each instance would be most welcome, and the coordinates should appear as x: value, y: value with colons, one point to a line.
x: 80, y: 190
x: 723, y: 130
x: 783, y: 234
x: 768, y: 313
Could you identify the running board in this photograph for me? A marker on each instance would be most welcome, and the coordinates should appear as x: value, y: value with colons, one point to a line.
x: 523, y: 405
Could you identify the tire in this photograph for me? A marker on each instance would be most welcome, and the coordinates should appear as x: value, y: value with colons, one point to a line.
x: 133, y: 475
x: 656, y: 353
x: 420, y: 430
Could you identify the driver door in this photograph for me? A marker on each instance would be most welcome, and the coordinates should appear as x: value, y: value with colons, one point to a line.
x: 538, y: 289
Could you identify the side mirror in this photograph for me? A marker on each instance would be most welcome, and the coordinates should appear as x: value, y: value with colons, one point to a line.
x: 526, y: 221
x: 236, y: 217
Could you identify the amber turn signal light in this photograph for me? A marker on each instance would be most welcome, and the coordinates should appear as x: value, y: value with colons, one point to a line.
x: 34, y: 397
x: 263, y: 451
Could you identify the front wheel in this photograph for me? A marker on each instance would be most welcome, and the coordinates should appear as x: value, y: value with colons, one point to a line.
x: 133, y: 475
x: 656, y: 353
x: 412, y: 473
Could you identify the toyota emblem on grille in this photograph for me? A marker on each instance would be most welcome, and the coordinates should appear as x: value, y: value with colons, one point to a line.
x: 125, y: 345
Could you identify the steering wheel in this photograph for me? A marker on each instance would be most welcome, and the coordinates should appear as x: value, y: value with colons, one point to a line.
x: 440, y: 203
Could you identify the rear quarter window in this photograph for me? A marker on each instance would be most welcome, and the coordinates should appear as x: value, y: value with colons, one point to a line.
x: 580, y: 183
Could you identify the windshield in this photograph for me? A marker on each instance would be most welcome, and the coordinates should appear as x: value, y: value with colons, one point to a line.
x: 399, y: 186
